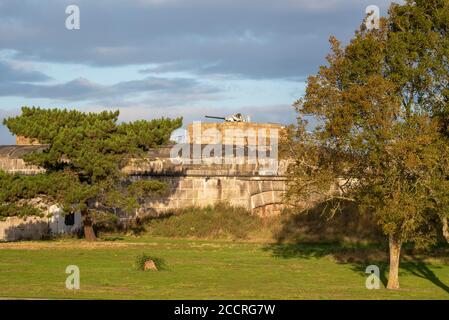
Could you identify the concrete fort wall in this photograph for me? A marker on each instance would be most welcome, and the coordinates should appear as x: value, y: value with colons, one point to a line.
x: 203, y: 184
x: 37, y: 228
x: 15, y: 228
x: 234, y: 133
x: 21, y: 140
x: 189, y: 184
x: 11, y: 159
x: 18, y: 166
x: 262, y: 196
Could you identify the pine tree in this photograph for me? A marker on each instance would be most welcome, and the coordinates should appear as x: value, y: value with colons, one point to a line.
x: 84, y: 160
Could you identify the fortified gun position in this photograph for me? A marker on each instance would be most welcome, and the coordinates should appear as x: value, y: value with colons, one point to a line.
x: 238, y: 117
x: 233, y: 130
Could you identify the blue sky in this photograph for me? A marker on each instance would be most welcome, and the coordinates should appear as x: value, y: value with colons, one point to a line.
x: 153, y: 58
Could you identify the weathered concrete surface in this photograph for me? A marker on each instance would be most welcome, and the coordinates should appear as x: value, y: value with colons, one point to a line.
x: 52, y: 222
x: 21, y: 140
x: 11, y: 159
x: 234, y: 133
x: 37, y: 228
x: 201, y: 184
x: 15, y: 228
x: 260, y: 195
x: 189, y: 184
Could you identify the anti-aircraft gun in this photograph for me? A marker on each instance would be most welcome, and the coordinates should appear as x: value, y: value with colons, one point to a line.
x: 238, y: 117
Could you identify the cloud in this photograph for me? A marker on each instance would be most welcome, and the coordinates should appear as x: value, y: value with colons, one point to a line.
x: 283, y: 114
x: 82, y: 89
x: 249, y: 39
x: 14, y: 71
x: 196, y: 49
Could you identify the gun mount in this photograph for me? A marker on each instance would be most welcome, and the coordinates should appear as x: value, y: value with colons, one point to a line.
x: 238, y: 117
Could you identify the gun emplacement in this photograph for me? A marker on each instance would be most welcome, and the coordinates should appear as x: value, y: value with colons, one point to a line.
x: 238, y: 117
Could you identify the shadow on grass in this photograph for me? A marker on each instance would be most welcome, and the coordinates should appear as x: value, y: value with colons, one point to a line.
x: 310, y: 235
x: 419, y: 268
x: 358, y: 257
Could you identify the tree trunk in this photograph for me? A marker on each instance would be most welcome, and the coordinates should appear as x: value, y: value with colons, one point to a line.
x: 395, y: 254
x: 89, y: 233
x: 445, y: 228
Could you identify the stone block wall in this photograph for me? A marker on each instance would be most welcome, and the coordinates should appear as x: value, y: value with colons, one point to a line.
x: 14, y: 165
x: 263, y: 196
x: 234, y: 133
x: 200, y: 185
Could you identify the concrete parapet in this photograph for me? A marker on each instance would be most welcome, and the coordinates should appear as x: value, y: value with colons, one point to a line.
x: 188, y: 184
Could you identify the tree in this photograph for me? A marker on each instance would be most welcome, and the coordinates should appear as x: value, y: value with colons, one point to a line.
x: 381, y: 108
x: 83, y: 161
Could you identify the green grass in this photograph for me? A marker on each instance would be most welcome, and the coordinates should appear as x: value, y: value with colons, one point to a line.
x: 218, y: 222
x: 208, y: 269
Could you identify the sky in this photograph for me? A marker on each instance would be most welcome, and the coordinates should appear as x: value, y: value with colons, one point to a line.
x: 168, y: 58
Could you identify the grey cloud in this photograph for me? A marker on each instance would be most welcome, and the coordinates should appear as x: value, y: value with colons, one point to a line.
x: 83, y: 89
x: 14, y: 72
x: 253, y: 39
x: 283, y: 114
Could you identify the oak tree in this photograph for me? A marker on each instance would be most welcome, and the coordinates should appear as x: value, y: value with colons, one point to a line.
x: 380, y: 138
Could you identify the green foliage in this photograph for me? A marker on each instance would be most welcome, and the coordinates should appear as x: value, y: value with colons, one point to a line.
x: 16, y: 190
x: 149, y: 134
x: 16, y: 210
x: 417, y: 53
x: 381, y: 141
x: 213, y: 222
x: 84, y: 158
x: 105, y: 221
x: 93, y: 145
x: 141, y: 188
x: 379, y: 126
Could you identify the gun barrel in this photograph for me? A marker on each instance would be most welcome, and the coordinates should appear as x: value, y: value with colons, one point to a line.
x: 212, y: 117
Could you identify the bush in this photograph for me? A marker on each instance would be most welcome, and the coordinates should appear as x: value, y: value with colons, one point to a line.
x: 139, y: 262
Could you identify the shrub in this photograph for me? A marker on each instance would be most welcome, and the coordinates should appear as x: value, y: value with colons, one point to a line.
x: 139, y: 262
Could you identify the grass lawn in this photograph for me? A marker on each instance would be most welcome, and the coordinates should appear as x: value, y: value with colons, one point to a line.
x: 200, y: 269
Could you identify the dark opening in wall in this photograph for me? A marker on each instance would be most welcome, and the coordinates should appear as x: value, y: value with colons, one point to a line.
x: 69, y: 219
